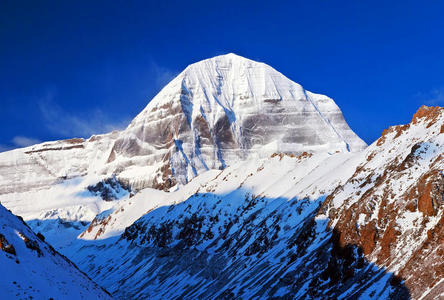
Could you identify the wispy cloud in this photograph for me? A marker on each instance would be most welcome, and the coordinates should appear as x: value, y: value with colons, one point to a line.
x: 64, y: 123
x: 91, y: 121
x: 23, y: 141
x: 432, y: 97
x: 162, y: 75
x: 95, y: 120
x: 19, y: 142
x: 154, y: 79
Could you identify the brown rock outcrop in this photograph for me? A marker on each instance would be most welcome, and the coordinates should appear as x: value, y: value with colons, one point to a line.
x: 6, y: 246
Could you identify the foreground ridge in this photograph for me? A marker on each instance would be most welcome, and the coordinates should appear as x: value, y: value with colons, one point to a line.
x: 33, y: 269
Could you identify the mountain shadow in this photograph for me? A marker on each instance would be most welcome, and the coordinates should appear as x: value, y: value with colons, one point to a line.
x: 235, y: 246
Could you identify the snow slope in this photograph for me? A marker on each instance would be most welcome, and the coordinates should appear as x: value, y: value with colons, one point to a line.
x: 301, y: 176
x: 32, y: 269
x: 247, y: 231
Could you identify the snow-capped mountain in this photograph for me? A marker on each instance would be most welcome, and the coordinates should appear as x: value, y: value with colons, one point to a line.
x: 235, y: 182
x: 226, y: 109
x: 32, y: 269
x: 217, y: 112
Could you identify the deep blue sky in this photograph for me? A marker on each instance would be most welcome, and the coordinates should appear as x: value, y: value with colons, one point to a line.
x: 71, y: 68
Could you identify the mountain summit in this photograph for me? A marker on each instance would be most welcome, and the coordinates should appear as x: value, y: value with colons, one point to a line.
x: 229, y: 108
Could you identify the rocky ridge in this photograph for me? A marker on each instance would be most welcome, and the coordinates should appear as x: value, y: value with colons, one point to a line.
x: 33, y: 269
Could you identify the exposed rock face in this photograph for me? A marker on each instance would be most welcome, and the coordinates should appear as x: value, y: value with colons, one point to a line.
x: 109, y: 189
x: 6, y: 246
x: 393, y: 206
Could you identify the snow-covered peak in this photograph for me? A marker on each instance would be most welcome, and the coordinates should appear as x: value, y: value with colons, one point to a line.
x: 221, y: 61
x: 228, y: 108
x: 236, y: 87
x: 226, y: 57
x: 226, y: 82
